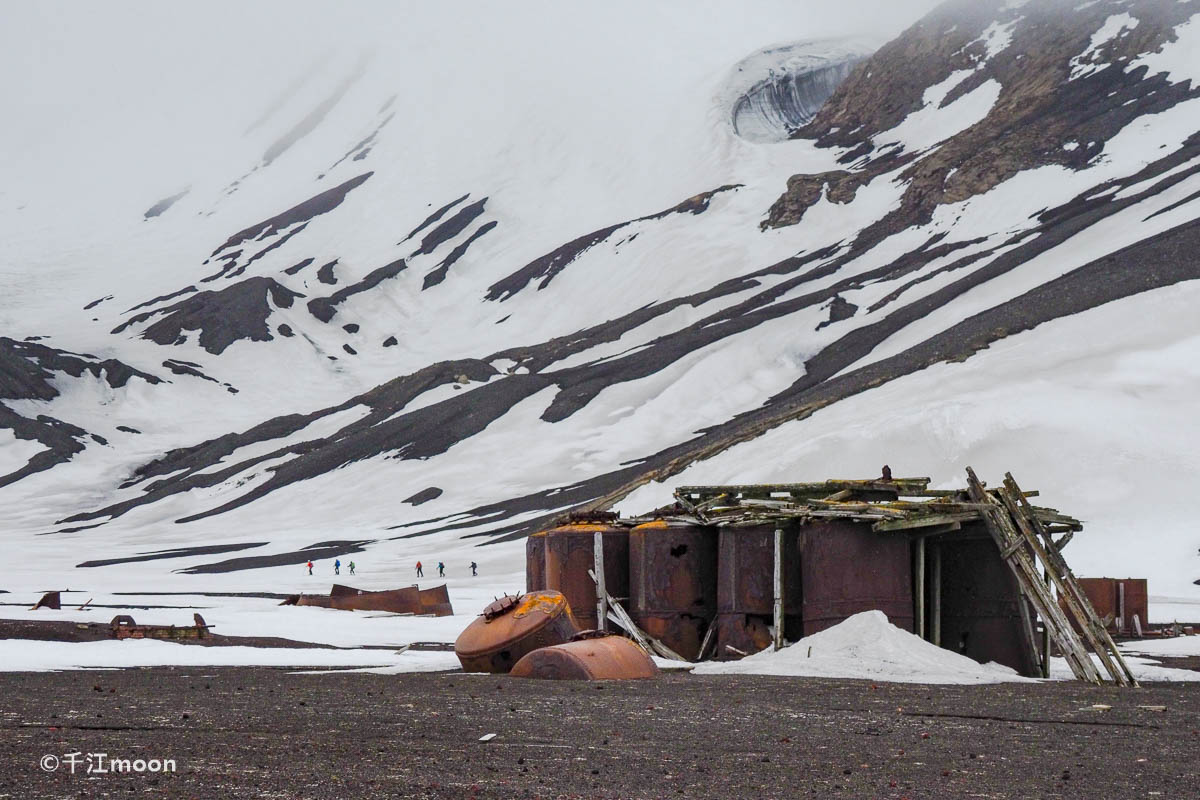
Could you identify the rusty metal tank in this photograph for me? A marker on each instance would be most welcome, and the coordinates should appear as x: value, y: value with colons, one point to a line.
x: 570, y: 553
x: 847, y: 568
x: 513, y: 626
x: 673, y: 582
x: 746, y: 588
x: 588, y: 658
x: 535, y: 562
x: 980, y: 611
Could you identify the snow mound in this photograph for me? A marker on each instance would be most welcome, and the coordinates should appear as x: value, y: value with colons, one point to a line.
x: 868, y: 646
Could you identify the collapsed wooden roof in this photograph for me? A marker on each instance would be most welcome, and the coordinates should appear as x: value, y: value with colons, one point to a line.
x: 887, y: 504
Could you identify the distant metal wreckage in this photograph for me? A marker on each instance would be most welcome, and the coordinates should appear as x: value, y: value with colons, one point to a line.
x: 409, y: 600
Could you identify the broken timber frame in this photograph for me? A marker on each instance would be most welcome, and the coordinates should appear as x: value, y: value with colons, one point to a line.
x: 1010, y: 525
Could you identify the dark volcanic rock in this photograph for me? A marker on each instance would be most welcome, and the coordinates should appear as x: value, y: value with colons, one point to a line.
x: 547, y: 266
x: 451, y: 227
x: 1039, y: 108
x: 316, y: 205
x: 434, y: 217
x: 163, y: 205
x: 323, y: 308
x: 438, y: 275
x: 236, y: 313
x: 424, y: 496
x: 325, y: 273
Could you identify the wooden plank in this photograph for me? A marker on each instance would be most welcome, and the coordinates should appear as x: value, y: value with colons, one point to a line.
x: 1001, y: 527
x: 912, y: 523
x: 920, y: 587
x: 601, y: 592
x: 648, y: 642
x: 1064, y: 580
x: 778, y: 583
x: 709, y: 637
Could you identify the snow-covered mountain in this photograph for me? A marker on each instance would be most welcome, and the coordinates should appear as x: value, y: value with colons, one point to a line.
x: 504, y: 262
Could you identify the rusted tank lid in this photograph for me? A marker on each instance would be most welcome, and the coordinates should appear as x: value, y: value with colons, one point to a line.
x: 512, y: 618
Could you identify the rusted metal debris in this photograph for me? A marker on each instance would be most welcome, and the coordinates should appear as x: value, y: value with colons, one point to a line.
x: 673, y: 582
x: 513, y: 626
x: 1118, y: 602
x: 591, y: 656
x: 409, y: 600
x: 124, y: 627
x: 570, y: 553
x: 51, y: 600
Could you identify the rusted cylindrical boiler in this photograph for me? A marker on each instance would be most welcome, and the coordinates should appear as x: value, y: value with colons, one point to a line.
x: 570, y: 553
x: 673, y: 582
x: 746, y: 588
x: 535, y: 562
x: 511, y: 627
x: 847, y: 568
x: 602, y: 658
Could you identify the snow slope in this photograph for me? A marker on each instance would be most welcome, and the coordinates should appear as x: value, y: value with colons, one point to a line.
x: 404, y: 282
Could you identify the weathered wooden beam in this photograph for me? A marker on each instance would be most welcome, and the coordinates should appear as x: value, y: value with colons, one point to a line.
x: 778, y: 583
x: 601, y: 592
x: 925, y: 521
x: 1064, y: 580
x: 920, y: 588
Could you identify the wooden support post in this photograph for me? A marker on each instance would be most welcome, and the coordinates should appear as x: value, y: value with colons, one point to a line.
x: 1046, y: 634
x: 601, y: 593
x: 920, y: 587
x: 935, y: 597
x: 779, y: 588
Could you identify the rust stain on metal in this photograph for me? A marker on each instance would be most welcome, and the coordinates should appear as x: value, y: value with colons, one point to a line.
x: 123, y: 626
x: 673, y: 582
x: 570, y: 553
x: 591, y: 658
x: 513, y: 626
x: 745, y: 587
x: 535, y: 562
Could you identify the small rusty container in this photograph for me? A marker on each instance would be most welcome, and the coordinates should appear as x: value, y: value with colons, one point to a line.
x: 673, y: 582
x: 595, y: 658
x: 570, y: 553
x: 513, y: 626
x: 746, y: 588
x: 535, y: 562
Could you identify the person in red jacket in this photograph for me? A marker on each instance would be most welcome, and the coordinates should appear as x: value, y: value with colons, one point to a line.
x: 310, y: 568
x: 420, y: 574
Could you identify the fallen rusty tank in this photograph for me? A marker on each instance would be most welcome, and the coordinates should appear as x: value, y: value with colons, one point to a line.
x: 409, y: 600
x: 673, y: 582
x: 570, y: 553
x: 535, y: 562
x: 746, y: 588
x: 513, y: 626
x: 589, y: 657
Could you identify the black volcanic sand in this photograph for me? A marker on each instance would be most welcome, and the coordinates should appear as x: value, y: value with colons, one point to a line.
x: 267, y: 733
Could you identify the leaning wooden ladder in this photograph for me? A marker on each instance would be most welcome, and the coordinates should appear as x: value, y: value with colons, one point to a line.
x: 1023, y: 541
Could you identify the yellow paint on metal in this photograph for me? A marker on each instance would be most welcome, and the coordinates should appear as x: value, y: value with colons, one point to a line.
x: 546, y: 602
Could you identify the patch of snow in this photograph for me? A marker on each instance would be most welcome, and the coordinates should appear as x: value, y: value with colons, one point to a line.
x: 866, y: 646
x: 1116, y: 25
x: 934, y: 123
x: 1178, y: 58
x: 15, y: 453
x: 19, y: 655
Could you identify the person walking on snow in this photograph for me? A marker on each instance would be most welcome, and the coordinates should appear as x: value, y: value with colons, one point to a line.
x: 420, y: 574
x: 337, y: 566
x: 473, y: 572
x: 310, y: 568
x: 351, y: 567
x: 441, y: 570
